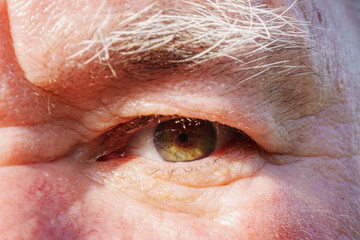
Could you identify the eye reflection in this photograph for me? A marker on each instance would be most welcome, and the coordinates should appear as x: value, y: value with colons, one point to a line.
x: 170, y: 140
x: 184, y: 139
x: 180, y: 140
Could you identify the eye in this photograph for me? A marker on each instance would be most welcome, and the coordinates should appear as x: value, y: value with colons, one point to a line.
x: 179, y: 140
x: 185, y: 151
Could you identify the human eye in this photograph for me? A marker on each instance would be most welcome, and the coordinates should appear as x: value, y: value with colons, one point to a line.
x: 164, y: 154
x: 217, y: 119
x: 178, y: 140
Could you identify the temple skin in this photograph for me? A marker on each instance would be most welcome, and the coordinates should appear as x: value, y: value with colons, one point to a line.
x: 299, y: 181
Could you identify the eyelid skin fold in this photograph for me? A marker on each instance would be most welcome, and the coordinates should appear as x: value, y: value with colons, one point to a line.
x: 168, y: 185
x: 239, y: 159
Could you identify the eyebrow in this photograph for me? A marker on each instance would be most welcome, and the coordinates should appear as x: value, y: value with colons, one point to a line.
x: 197, y: 32
x: 239, y: 40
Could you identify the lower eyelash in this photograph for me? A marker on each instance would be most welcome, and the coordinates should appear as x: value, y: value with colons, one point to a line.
x: 115, y: 141
x: 169, y: 171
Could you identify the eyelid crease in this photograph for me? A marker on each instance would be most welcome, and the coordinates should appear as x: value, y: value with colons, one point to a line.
x: 127, y: 127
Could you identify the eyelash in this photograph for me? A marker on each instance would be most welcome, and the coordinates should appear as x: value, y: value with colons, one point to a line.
x: 174, y: 169
x: 124, y: 131
x: 115, y: 140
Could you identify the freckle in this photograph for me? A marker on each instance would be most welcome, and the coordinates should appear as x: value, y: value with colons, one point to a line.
x: 319, y: 16
x: 328, y: 69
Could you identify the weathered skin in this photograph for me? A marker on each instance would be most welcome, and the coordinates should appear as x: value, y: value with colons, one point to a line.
x: 304, y: 185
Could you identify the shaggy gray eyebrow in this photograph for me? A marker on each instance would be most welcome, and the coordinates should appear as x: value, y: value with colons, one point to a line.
x: 248, y: 42
x: 195, y: 33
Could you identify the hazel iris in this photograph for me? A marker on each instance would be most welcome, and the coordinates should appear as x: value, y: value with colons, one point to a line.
x: 184, y: 139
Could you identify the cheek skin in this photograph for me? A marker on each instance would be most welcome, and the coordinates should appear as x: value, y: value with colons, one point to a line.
x: 48, y: 202
x: 54, y: 199
x: 32, y: 198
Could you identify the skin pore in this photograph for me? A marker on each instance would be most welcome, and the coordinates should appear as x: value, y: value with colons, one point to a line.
x: 74, y: 73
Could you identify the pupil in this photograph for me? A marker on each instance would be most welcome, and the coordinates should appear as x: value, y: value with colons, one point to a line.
x: 183, y: 137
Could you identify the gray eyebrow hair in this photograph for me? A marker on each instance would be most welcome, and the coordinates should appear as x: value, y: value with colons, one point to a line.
x: 191, y: 33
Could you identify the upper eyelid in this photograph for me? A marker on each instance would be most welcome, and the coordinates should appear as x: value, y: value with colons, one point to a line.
x: 237, y: 77
x: 112, y: 140
x: 122, y: 132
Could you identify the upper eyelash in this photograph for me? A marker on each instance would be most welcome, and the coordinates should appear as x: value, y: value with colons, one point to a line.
x: 111, y: 139
x: 124, y: 131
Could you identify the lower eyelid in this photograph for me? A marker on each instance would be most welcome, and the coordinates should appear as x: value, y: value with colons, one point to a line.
x: 169, y: 189
x: 241, y: 160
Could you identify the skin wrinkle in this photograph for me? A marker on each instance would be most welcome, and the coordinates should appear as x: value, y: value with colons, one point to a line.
x: 266, y: 51
x: 273, y: 87
x: 318, y: 208
x: 129, y: 186
x: 302, y: 222
x: 287, y: 100
x: 277, y: 63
